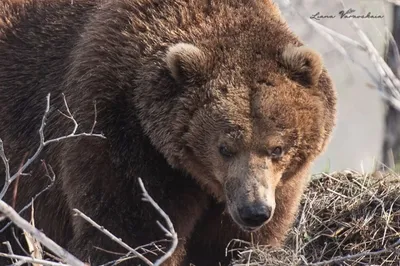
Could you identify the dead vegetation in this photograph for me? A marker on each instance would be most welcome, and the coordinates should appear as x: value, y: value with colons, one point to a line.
x: 346, y: 218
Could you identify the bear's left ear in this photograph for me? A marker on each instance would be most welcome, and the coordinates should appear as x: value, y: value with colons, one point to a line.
x: 185, y: 62
x: 304, y: 64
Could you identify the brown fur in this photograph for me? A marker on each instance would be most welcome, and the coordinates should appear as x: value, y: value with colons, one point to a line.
x: 173, y: 82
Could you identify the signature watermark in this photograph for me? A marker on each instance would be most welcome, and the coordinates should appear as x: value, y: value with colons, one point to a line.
x: 345, y: 14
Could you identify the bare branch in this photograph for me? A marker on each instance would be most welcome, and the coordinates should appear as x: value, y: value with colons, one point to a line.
x: 70, y: 116
x: 170, y: 233
x: 95, y: 118
x: 42, y: 238
x: 383, y: 69
x: 10, y: 250
x: 112, y: 237
x: 7, y: 169
x: 15, y: 191
x: 24, y: 259
x: 43, y: 143
x: 52, y: 179
x: 19, y: 242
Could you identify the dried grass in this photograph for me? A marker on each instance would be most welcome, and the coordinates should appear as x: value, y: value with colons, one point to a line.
x: 342, y: 214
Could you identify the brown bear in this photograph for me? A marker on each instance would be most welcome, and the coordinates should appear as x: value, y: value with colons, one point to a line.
x: 216, y: 105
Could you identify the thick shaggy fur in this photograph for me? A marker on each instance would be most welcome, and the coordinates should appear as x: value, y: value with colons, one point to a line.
x: 172, y: 80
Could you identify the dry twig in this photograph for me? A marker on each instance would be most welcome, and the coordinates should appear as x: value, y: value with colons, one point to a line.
x: 24, y: 259
x: 52, y: 178
x: 42, y: 144
x: 170, y: 232
x: 112, y: 237
x: 42, y: 238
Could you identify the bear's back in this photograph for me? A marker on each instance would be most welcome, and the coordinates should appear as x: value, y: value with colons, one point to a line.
x: 36, y: 38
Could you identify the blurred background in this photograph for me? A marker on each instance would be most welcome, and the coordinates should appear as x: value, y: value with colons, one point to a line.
x: 361, y: 55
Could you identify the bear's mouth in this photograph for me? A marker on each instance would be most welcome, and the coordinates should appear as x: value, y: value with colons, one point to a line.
x: 246, y: 228
x: 243, y: 226
x: 250, y: 229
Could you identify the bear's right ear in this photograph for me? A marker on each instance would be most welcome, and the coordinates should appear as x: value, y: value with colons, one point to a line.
x: 304, y: 64
x: 185, y: 61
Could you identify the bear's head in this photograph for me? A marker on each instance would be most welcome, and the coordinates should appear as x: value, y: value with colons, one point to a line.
x: 241, y: 122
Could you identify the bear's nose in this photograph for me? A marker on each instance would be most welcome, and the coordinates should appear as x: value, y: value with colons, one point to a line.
x: 255, y: 215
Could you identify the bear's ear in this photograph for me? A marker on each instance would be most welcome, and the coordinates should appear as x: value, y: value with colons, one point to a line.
x: 185, y: 61
x: 304, y: 64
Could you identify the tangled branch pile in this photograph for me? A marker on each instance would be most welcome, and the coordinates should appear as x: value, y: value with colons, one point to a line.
x: 345, y: 219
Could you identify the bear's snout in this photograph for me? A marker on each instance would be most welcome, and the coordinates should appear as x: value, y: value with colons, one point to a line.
x: 254, y: 215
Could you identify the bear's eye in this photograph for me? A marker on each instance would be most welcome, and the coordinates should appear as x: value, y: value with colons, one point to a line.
x: 224, y: 151
x: 277, y: 152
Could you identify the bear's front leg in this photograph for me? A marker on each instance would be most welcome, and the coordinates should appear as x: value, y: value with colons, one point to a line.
x: 112, y: 197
